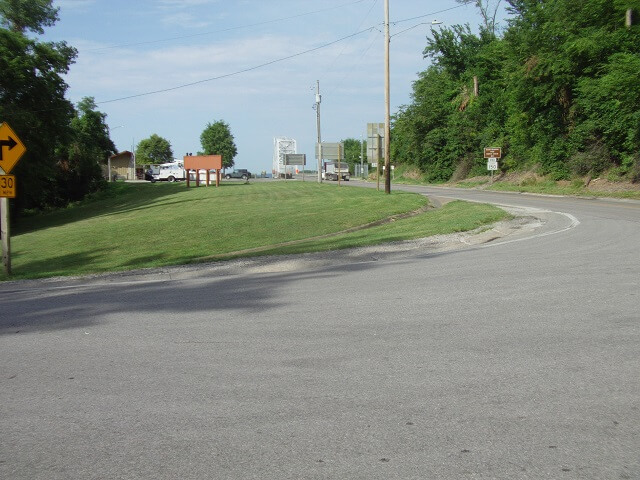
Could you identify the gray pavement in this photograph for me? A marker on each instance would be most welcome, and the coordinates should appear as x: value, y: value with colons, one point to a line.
x: 512, y: 358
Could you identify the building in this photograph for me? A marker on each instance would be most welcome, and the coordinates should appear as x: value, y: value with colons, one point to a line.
x: 122, y: 166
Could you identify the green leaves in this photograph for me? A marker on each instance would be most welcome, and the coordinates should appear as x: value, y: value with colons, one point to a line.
x: 216, y: 139
x: 557, y: 90
x: 154, y: 150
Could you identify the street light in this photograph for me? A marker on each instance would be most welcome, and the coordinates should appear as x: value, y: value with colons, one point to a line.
x: 387, y: 102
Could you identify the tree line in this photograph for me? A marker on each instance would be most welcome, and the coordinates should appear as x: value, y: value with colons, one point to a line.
x: 67, y: 145
x: 556, y: 89
x: 216, y: 139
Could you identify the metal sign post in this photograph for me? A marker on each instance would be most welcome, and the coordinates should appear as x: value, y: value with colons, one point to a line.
x: 492, y: 154
x: 5, y: 233
x: 11, y: 149
x: 295, y: 159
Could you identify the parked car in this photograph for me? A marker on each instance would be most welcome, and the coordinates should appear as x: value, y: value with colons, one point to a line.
x: 242, y: 173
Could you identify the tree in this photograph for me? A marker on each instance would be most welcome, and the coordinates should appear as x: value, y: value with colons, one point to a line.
x: 558, y: 92
x: 32, y: 97
x: 216, y: 139
x: 79, y: 171
x: 488, y: 12
x: 21, y: 15
x: 352, y: 149
x: 153, y: 150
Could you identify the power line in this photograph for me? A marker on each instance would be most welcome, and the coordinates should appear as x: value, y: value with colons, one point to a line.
x: 427, y: 15
x: 364, y: 18
x: 266, y: 22
x: 256, y: 67
x: 163, y: 90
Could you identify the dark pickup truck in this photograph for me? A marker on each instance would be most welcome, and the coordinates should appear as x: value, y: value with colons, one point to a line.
x: 242, y: 173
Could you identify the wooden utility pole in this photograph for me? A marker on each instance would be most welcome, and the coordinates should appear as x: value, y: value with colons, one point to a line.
x: 387, y: 103
x: 361, y: 156
x: 319, y: 152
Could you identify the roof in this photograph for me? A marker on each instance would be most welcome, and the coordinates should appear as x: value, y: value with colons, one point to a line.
x: 124, y: 154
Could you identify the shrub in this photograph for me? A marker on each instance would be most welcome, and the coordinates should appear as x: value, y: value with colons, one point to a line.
x: 592, y: 161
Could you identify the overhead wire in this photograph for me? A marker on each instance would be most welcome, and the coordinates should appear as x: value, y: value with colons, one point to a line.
x: 239, y: 27
x: 373, y: 4
x: 364, y: 52
x: 278, y: 60
x: 238, y: 72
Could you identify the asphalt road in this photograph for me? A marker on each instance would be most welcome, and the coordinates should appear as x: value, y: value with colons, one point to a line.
x: 514, y: 359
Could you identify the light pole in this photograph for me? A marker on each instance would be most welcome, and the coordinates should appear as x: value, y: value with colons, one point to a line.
x: 387, y: 102
x: 319, y: 145
x: 109, y: 179
x: 361, y: 156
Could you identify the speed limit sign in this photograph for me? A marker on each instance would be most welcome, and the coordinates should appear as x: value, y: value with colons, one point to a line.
x: 8, y: 186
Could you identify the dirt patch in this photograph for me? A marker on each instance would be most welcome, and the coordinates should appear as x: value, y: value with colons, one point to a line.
x: 412, y: 173
x: 604, y: 185
x: 524, y: 179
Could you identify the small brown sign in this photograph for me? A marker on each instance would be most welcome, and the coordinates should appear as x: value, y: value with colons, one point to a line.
x: 493, y: 152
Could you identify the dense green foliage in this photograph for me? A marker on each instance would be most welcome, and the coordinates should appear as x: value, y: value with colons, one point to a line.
x: 154, y: 150
x: 352, y: 150
x: 64, y: 146
x: 78, y: 171
x: 216, y: 139
x: 557, y: 90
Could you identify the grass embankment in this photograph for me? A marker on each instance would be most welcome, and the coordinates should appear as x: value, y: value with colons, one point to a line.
x: 133, y: 226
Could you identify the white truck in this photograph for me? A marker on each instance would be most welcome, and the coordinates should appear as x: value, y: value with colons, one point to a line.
x: 332, y: 170
x: 171, y: 171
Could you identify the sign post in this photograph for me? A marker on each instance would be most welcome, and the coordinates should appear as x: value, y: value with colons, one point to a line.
x: 295, y: 159
x: 492, y: 154
x: 11, y: 149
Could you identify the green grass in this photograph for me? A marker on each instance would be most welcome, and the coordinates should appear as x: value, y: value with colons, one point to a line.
x: 453, y: 217
x: 133, y: 226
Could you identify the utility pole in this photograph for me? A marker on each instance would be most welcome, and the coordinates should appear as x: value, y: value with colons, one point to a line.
x: 387, y: 116
x: 319, y: 152
x: 361, y: 156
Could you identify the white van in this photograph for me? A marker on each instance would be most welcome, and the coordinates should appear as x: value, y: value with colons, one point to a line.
x: 171, y: 171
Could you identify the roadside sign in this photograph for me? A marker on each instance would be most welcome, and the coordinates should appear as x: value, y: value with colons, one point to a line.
x: 295, y: 158
x: 493, y: 152
x: 11, y: 148
x: 492, y: 164
x: 7, y: 186
x: 330, y: 151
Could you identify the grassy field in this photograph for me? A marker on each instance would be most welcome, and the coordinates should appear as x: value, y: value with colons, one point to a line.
x: 134, y: 226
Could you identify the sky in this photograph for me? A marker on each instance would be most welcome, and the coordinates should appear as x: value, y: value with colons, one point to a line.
x: 170, y: 67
